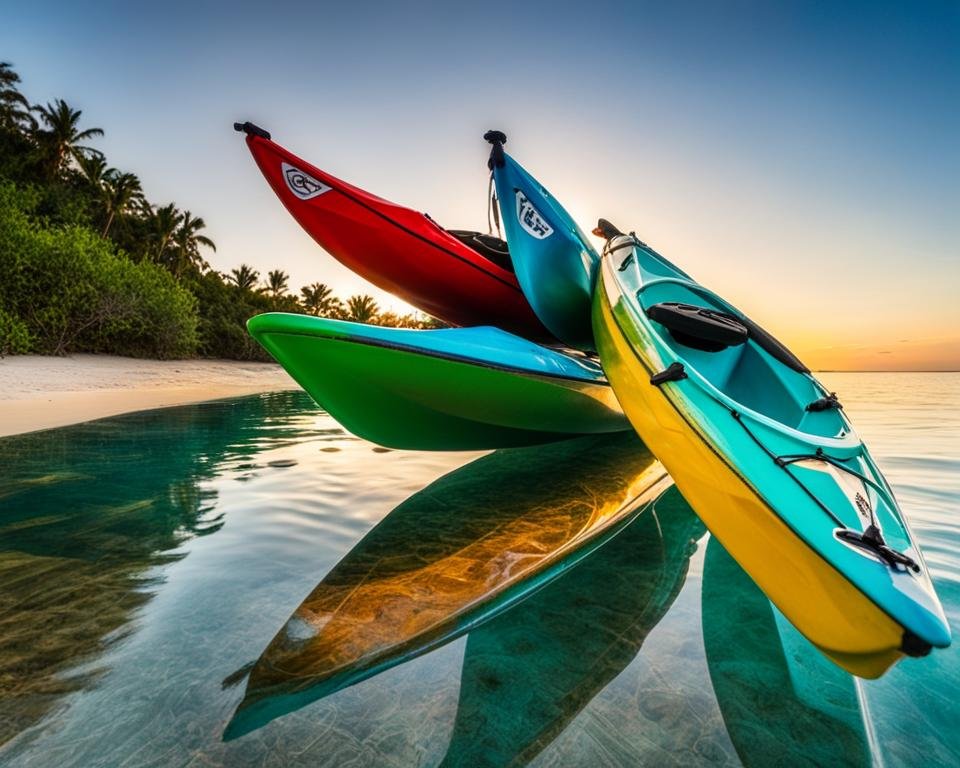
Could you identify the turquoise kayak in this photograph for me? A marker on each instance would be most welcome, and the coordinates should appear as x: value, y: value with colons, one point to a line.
x: 767, y: 458
x: 449, y: 389
x: 553, y: 260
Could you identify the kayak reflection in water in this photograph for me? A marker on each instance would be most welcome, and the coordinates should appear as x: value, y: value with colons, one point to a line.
x: 456, y: 553
x: 527, y: 673
x: 782, y: 702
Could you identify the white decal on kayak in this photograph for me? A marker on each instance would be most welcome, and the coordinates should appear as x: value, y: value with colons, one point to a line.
x: 852, y: 487
x: 303, y: 185
x: 530, y: 218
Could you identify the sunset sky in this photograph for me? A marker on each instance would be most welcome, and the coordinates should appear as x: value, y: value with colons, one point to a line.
x: 802, y: 159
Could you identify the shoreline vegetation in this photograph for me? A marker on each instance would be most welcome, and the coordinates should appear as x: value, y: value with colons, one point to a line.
x: 90, y: 264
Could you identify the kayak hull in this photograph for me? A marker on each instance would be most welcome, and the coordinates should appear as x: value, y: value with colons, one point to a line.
x: 397, y: 249
x: 817, y: 598
x: 379, y: 386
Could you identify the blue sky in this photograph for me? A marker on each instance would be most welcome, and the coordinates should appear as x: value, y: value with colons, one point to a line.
x: 802, y: 159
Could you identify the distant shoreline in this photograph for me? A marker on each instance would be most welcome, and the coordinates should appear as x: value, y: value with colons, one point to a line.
x: 39, y: 392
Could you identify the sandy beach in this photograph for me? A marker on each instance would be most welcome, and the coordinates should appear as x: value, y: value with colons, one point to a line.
x: 43, y: 392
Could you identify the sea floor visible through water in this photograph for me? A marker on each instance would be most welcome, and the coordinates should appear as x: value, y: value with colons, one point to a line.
x: 147, y: 560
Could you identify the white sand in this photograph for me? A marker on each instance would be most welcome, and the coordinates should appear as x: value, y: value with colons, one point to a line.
x: 42, y: 392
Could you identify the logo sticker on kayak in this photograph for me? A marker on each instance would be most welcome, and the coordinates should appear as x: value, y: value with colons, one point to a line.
x: 303, y: 185
x: 530, y: 218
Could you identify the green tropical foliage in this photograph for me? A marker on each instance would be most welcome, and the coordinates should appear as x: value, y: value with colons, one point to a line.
x: 60, y: 140
x: 362, y: 309
x: 277, y: 283
x: 318, y: 299
x: 88, y: 263
x: 15, y: 112
x: 66, y: 289
x: 162, y: 225
x: 94, y: 170
x: 121, y: 195
x: 244, y: 277
x: 187, y: 241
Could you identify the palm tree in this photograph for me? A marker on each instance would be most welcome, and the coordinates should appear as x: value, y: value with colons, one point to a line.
x: 121, y: 193
x: 245, y: 277
x: 362, y: 309
x: 318, y: 299
x: 393, y: 320
x: 409, y: 320
x: 163, y: 223
x: 277, y: 282
x: 429, y: 322
x: 63, y: 135
x: 188, y: 241
x: 94, y: 169
x: 14, y: 108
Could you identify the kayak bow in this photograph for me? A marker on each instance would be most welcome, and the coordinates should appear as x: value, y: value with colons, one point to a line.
x: 554, y: 261
x: 464, y: 278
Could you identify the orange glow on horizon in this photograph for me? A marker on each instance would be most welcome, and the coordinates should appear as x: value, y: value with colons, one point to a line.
x: 941, y: 354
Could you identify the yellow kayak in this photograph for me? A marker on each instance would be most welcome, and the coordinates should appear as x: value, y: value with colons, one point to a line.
x: 767, y: 459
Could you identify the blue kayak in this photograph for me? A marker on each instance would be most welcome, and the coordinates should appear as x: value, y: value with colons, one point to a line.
x: 767, y: 458
x: 553, y: 260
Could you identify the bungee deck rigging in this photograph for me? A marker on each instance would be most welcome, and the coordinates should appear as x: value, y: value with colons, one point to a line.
x: 870, y: 539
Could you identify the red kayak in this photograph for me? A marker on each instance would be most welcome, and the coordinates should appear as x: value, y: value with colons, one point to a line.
x: 463, y: 278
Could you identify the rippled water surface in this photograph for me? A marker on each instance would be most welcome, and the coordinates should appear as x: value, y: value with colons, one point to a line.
x: 147, y: 561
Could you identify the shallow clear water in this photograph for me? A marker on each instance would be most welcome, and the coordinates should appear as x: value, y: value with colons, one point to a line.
x: 146, y: 561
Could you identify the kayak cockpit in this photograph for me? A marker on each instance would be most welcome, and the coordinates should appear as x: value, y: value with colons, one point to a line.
x: 491, y: 248
x: 737, y: 357
x: 750, y: 376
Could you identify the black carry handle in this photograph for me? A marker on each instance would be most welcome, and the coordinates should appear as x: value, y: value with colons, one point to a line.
x: 498, y: 139
x: 606, y: 230
x: 251, y: 130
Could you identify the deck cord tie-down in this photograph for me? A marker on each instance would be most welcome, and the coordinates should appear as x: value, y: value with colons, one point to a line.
x: 871, y: 539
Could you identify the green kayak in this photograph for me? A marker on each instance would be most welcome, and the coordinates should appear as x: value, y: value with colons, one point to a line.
x: 449, y: 389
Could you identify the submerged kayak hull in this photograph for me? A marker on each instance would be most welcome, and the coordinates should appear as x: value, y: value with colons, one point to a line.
x: 413, y: 390
x: 815, y: 594
x: 397, y: 249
